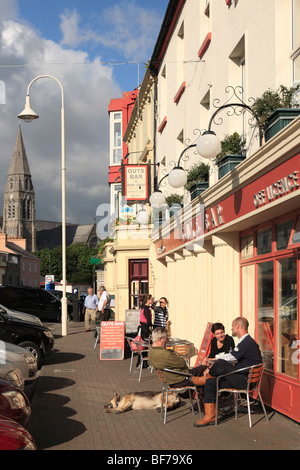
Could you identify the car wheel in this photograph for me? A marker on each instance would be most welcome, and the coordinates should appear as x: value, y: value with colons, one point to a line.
x: 34, y: 349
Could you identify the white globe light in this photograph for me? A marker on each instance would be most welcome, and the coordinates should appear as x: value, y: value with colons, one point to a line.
x: 208, y: 145
x: 142, y: 217
x: 157, y: 198
x: 177, y: 177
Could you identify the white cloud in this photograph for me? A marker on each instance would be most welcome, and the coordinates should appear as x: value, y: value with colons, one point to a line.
x: 87, y: 89
x: 126, y: 28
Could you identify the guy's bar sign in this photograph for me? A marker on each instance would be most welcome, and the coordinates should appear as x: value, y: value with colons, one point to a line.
x: 136, y: 182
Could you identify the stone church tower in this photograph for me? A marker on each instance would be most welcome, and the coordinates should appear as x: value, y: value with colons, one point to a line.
x: 19, y: 198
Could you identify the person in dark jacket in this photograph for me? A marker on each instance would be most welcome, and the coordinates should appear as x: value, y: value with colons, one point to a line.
x: 245, y: 354
x: 221, y: 342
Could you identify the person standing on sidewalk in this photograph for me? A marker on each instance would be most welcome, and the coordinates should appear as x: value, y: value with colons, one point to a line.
x: 161, y: 315
x: 90, y: 307
x: 104, y: 304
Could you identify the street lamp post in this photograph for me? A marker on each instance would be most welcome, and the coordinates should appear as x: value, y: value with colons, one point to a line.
x: 28, y: 115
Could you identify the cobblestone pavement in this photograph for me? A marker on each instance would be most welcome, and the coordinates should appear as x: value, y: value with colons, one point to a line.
x: 74, y: 385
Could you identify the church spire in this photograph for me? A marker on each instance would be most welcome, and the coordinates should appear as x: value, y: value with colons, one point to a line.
x: 19, y: 197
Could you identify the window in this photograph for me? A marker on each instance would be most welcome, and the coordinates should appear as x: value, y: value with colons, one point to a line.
x: 269, y: 281
x: 287, y: 316
x: 138, y: 281
x: 296, y: 39
x: 283, y: 233
x: 116, y: 138
x: 264, y: 241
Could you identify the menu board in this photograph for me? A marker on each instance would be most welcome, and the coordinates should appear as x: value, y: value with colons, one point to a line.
x: 112, y: 340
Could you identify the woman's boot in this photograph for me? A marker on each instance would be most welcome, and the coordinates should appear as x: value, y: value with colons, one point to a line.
x: 209, y: 416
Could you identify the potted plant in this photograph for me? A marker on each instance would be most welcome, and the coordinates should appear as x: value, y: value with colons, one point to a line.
x: 197, y: 179
x: 175, y: 203
x: 276, y: 109
x: 232, y: 153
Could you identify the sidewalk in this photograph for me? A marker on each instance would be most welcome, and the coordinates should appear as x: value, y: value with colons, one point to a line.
x: 74, y: 385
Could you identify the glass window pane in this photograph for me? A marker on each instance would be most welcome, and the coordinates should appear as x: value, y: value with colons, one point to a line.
x: 117, y: 134
x: 117, y: 116
x: 247, y: 246
x: 283, y: 233
x: 264, y: 241
x: 296, y: 236
x: 117, y: 155
x: 265, y: 291
x: 287, y: 317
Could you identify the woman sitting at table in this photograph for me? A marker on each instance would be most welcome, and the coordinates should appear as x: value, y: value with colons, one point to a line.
x: 220, y: 343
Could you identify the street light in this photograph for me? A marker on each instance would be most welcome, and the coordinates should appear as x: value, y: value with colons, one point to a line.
x: 28, y: 115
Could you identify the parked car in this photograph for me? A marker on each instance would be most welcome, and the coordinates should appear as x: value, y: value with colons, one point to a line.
x: 11, y: 373
x: 22, y: 358
x: 36, y: 301
x: 13, y: 436
x: 22, y: 315
x: 14, y: 403
x: 35, y: 338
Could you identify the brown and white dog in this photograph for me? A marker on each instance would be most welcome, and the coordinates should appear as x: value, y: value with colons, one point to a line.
x: 140, y: 401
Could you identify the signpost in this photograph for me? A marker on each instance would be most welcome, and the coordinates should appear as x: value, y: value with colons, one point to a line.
x: 112, y: 340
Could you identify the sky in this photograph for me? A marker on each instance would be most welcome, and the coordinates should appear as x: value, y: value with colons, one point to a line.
x: 96, y: 50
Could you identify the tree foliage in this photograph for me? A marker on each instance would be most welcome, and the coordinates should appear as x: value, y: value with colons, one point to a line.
x: 79, y: 267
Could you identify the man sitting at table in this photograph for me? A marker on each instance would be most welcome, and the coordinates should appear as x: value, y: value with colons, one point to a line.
x: 245, y: 354
x: 162, y: 358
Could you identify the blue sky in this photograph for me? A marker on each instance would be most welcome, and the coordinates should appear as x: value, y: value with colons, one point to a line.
x: 97, y: 49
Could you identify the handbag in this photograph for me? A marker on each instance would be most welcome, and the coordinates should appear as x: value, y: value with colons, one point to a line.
x: 137, y: 338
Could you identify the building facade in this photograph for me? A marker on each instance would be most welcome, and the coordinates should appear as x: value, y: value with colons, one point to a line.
x: 234, y: 249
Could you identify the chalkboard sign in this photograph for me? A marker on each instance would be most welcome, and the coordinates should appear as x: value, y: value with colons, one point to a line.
x: 132, y: 320
x: 112, y: 340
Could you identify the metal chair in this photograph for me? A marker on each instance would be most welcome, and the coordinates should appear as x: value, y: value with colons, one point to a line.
x: 255, y: 374
x: 143, y: 356
x: 192, y: 389
x: 133, y: 352
x: 184, y: 350
x: 97, y: 333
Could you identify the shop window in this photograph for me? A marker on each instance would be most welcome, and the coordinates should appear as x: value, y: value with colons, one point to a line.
x: 283, y: 233
x: 265, y: 298
x: 264, y: 241
x: 296, y: 236
x: 247, y: 246
x: 287, y: 316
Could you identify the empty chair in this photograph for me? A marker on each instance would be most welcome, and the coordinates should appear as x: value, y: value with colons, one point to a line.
x: 192, y: 389
x: 253, y: 386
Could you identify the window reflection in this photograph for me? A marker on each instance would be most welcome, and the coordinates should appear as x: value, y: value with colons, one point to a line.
x: 287, y: 316
x: 265, y: 290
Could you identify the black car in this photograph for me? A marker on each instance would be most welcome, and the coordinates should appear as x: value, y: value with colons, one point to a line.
x: 35, y: 301
x: 36, y: 338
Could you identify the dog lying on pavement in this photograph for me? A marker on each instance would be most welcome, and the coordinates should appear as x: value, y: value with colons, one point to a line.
x: 140, y: 401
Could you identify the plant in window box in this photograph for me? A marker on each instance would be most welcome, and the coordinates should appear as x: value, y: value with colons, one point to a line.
x: 197, y: 179
x: 276, y: 109
x: 232, y: 153
x: 175, y: 203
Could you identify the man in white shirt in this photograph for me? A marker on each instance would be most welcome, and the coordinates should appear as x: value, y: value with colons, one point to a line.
x: 104, y: 304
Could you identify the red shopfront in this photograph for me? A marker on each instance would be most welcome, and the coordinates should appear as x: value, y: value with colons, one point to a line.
x: 265, y: 212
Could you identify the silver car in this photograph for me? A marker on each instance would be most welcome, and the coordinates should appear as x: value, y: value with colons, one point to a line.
x: 22, y: 358
x: 11, y: 373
